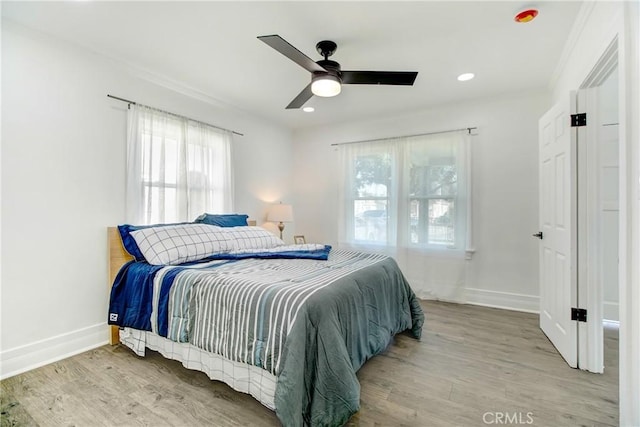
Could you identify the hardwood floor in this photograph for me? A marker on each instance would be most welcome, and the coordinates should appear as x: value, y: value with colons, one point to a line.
x: 474, y: 366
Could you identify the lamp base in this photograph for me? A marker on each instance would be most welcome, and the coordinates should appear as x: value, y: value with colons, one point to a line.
x: 281, y: 228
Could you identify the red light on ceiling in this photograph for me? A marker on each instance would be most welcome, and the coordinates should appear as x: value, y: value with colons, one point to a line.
x: 526, y: 16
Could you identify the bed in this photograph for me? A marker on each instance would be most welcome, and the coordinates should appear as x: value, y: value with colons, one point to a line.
x: 289, y: 325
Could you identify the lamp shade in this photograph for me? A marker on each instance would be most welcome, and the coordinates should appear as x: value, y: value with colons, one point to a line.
x: 325, y: 85
x: 280, y: 213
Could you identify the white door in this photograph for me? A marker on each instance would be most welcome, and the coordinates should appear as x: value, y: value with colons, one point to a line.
x: 558, y: 278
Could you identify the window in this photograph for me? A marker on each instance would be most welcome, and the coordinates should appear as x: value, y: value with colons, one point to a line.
x: 409, y: 192
x: 176, y: 168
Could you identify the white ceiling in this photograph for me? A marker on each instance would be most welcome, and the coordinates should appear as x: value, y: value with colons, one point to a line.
x: 212, y: 47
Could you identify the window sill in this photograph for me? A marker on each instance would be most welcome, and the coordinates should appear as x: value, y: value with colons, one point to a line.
x: 427, y: 250
x: 443, y: 251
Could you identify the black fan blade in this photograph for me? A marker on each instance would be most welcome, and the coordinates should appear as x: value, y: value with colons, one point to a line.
x: 379, y: 77
x: 285, y: 48
x: 302, y: 97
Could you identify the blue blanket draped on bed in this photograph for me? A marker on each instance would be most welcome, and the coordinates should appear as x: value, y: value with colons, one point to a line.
x: 132, y: 295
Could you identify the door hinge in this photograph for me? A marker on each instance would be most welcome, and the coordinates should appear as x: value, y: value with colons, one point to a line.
x: 579, y: 119
x: 579, y: 314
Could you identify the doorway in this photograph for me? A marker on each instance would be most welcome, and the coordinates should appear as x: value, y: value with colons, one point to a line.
x: 608, y: 213
x: 579, y: 216
x: 608, y: 200
x: 598, y: 169
x: 598, y: 183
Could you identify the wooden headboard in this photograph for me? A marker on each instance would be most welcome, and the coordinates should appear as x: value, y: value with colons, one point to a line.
x: 118, y: 257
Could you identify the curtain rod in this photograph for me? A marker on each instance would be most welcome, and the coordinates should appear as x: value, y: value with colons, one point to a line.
x: 469, y: 129
x: 174, y: 114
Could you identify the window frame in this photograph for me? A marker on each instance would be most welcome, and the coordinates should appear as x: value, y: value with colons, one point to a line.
x: 400, y: 200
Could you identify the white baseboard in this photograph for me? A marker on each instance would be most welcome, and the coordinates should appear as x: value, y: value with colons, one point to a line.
x: 16, y: 360
x: 611, y: 311
x: 504, y: 300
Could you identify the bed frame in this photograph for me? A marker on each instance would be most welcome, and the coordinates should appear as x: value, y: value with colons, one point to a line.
x: 118, y: 257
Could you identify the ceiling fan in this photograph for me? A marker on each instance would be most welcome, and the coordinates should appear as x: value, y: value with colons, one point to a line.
x: 326, y: 76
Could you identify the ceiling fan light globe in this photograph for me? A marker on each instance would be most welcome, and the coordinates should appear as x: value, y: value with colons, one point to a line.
x: 326, y: 86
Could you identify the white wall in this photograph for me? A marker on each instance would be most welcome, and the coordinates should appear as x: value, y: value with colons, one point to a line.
x: 504, y: 269
x: 63, y: 172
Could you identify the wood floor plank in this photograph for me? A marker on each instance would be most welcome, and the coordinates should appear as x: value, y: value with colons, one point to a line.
x: 472, y: 362
x: 12, y: 413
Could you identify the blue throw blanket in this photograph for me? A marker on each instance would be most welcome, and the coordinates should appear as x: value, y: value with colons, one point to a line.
x: 131, y: 296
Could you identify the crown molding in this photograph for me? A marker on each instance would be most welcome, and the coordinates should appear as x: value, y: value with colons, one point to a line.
x: 574, y: 35
x: 126, y: 67
x: 167, y: 82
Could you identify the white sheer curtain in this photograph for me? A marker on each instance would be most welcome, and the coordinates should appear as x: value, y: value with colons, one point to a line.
x: 366, y: 197
x: 176, y: 168
x: 410, y: 198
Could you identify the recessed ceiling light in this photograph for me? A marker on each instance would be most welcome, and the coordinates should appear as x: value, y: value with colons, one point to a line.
x: 308, y: 109
x: 466, y: 76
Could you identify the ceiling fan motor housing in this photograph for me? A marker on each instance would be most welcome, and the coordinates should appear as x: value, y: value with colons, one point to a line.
x: 332, y: 67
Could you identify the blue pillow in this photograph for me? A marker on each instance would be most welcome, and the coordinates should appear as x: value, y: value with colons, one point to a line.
x: 224, y: 220
x: 129, y: 242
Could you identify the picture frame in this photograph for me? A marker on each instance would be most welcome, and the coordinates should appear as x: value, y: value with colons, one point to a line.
x: 299, y: 240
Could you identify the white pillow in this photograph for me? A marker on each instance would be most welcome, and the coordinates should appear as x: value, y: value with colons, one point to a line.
x: 251, y: 237
x: 170, y: 245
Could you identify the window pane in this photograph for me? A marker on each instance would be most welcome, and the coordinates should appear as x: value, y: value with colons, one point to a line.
x: 372, y: 175
x: 160, y: 205
x: 433, y: 179
x: 432, y: 221
x: 159, y: 159
x: 146, y: 156
x: 370, y: 220
x: 169, y: 166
